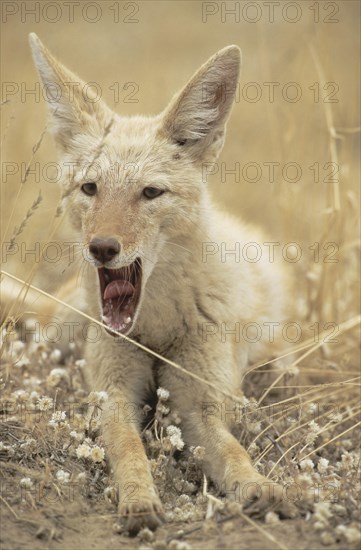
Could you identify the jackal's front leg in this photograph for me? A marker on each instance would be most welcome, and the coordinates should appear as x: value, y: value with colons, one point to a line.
x: 226, y: 462
x: 124, y: 380
x: 139, y: 504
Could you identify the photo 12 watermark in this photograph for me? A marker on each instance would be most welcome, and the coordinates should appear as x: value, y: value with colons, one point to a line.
x: 271, y: 171
x: 55, y: 94
x: 252, y: 332
x: 269, y: 252
x: 69, y: 12
x: 271, y: 12
x: 274, y: 92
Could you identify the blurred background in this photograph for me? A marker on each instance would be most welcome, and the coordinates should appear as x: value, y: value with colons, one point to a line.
x: 293, y: 137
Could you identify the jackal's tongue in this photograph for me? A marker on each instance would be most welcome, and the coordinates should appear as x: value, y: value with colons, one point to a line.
x: 118, y: 289
x: 118, y: 308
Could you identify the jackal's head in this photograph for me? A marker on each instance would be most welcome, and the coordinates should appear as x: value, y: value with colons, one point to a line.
x: 135, y: 184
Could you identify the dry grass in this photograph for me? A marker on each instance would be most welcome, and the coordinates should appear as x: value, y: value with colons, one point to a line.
x: 305, y: 426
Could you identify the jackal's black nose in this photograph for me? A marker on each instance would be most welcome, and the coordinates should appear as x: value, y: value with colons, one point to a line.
x: 104, y: 250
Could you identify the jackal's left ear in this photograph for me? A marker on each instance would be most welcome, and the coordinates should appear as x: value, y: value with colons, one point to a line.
x: 74, y: 106
x: 196, y: 117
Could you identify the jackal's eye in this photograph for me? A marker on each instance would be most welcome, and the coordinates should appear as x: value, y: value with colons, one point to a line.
x: 152, y: 192
x: 89, y: 188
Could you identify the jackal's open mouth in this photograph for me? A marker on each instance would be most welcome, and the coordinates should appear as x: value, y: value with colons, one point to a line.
x: 120, y: 292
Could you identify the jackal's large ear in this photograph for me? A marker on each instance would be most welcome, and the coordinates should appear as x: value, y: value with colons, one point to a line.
x: 75, y: 106
x: 196, y: 117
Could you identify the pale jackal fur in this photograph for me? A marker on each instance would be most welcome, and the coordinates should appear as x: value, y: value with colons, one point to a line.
x: 150, y: 227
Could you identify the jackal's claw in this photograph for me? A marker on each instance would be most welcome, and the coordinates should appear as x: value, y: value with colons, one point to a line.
x: 269, y: 496
x: 259, y: 495
x: 137, y: 515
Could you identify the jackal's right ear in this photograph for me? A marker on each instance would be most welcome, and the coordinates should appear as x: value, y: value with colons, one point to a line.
x: 197, y: 116
x: 74, y: 106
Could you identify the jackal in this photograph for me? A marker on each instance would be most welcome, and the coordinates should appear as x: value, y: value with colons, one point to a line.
x: 151, y: 232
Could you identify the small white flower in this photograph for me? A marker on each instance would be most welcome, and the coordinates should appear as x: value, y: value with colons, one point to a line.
x: 307, y: 465
x: 56, y: 376
x: 57, y: 418
x: 22, y: 395
x: 80, y: 363
x: 312, y: 276
x: 78, y: 436
x: 244, y: 401
x: 39, y: 348
x: 313, y: 426
x: 146, y: 535
x: 162, y: 409
x: 97, y: 454
x: 17, y: 346
x: 183, y: 499
x: 83, y: 451
x: 312, y: 433
x: 312, y: 408
x: 310, y: 438
x: 81, y: 478
x: 337, y: 417
x: 6, y: 448
x: 163, y: 394
x: 62, y: 476
x: 198, y: 452
x: 352, y: 534
x: 178, y: 545
x: 254, y: 427
x: 22, y: 362
x: 347, y: 461
x: 253, y: 449
x: 55, y: 356
x: 272, y: 518
x: 175, y: 436
x: 26, y: 483
x: 59, y: 371
x: 322, y: 465
x: 327, y: 538
x: 45, y: 403
x: 34, y: 395
x: 292, y: 370
x: 322, y: 512
x: 96, y: 397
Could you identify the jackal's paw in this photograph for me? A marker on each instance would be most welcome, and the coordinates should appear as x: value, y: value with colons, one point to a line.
x: 260, y: 495
x: 137, y: 515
